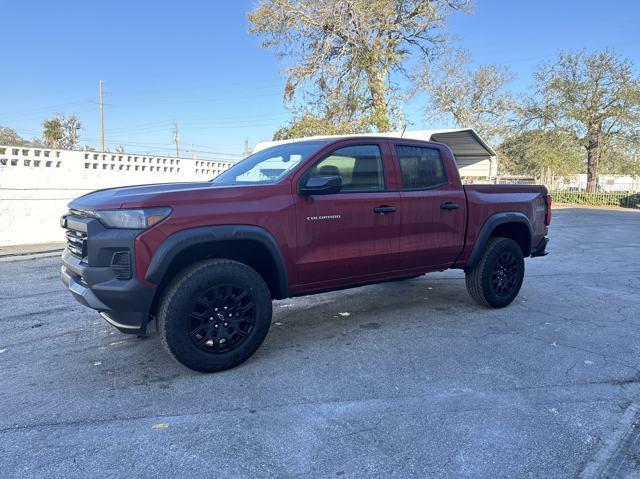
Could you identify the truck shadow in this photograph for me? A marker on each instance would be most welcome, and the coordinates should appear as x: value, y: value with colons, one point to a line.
x: 308, y: 323
x: 304, y: 322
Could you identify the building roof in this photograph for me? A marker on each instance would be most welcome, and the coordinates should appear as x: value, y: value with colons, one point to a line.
x: 462, y: 141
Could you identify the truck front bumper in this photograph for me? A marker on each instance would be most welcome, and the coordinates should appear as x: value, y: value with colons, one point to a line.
x: 96, y: 283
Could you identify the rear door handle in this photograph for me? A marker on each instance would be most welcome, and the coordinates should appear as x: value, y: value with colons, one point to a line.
x: 384, y: 209
x: 449, y: 206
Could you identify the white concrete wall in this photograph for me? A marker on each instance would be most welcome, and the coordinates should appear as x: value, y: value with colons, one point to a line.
x: 36, y: 184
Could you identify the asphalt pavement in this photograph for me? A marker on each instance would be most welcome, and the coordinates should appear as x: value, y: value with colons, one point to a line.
x: 397, y: 380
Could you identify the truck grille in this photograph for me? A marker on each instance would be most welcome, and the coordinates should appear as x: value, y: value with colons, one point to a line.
x: 77, y: 242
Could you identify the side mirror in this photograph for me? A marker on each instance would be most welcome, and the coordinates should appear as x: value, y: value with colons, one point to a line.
x: 321, y: 185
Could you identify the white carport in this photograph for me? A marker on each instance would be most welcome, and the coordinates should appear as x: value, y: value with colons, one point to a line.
x: 474, y: 157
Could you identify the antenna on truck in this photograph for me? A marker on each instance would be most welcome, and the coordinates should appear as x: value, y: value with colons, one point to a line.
x: 403, y: 130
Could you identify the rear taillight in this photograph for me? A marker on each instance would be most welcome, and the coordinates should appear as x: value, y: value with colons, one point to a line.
x: 548, y: 200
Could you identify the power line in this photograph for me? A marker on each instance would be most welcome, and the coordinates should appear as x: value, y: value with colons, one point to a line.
x: 138, y: 134
x: 245, y: 85
x: 206, y: 100
x: 165, y: 146
x: 45, y: 108
x: 257, y: 120
x: 191, y: 94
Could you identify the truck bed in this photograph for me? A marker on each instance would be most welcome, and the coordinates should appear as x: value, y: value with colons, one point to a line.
x: 486, y: 200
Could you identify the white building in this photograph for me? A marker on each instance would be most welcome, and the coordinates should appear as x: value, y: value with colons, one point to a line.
x: 36, y: 184
x: 474, y: 156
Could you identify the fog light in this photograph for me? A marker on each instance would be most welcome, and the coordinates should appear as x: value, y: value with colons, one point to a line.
x: 121, y: 265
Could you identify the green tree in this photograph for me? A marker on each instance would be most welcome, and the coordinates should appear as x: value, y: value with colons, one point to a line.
x: 349, y: 48
x: 52, y: 132
x: 540, y: 153
x: 594, y: 96
x: 621, y: 155
x: 470, y: 97
x: 61, y: 131
x: 310, y: 124
x: 336, y: 113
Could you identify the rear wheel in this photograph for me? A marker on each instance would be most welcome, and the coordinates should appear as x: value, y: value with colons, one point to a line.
x: 496, y: 280
x: 215, y: 315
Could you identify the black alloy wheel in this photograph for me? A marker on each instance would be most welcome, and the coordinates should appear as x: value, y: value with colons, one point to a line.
x: 214, y: 314
x: 505, y: 274
x: 222, y: 318
x: 496, y: 279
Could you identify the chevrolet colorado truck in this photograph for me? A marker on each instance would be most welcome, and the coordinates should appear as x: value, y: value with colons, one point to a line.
x: 206, y: 259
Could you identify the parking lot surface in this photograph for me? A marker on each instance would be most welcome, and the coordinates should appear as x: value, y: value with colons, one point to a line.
x: 403, y: 379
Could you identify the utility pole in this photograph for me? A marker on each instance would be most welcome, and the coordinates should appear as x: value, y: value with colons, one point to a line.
x: 176, y: 137
x: 194, y: 152
x: 101, y: 105
x: 246, y: 147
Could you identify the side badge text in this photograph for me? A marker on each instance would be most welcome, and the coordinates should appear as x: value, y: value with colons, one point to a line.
x: 324, y: 217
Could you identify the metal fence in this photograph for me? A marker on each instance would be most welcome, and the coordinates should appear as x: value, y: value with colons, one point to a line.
x: 624, y: 199
x: 601, y: 187
x: 607, y: 193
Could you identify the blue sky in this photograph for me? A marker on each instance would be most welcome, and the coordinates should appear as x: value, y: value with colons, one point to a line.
x: 195, y: 62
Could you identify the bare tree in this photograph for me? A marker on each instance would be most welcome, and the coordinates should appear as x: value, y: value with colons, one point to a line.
x: 596, y: 96
x: 352, y: 46
x: 476, y: 98
x: 71, y: 126
x: 9, y: 136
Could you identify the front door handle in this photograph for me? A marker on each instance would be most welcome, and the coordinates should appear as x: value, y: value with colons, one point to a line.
x: 384, y: 209
x: 449, y: 206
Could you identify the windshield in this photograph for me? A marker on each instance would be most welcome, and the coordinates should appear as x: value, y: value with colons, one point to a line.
x: 269, y: 165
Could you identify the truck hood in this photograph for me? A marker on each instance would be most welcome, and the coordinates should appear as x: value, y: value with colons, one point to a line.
x: 140, y: 195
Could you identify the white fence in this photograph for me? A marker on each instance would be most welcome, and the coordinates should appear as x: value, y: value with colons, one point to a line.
x: 577, y: 183
x: 606, y: 183
x: 36, y: 184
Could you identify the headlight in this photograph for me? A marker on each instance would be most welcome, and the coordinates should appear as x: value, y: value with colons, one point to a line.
x: 137, y: 219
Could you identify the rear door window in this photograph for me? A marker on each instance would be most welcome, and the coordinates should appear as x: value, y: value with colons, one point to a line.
x: 422, y: 168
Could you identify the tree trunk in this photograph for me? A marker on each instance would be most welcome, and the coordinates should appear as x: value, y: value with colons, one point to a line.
x: 593, y: 154
x: 377, y: 78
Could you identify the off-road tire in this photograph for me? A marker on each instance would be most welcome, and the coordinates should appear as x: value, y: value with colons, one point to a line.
x: 480, y: 280
x: 186, y: 290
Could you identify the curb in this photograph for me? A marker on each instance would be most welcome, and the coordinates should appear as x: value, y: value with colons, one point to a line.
x: 605, y: 459
x: 12, y: 257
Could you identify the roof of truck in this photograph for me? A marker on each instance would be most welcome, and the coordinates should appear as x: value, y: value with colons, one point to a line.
x: 462, y: 141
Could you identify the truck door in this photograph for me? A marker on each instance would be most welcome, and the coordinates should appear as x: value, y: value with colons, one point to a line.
x: 352, y: 234
x: 432, y: 206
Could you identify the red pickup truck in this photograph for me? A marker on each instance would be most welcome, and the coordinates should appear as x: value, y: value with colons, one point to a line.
x: 207, y: 259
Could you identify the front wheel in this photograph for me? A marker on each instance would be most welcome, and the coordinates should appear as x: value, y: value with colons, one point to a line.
x: 496, y: 280
x: 215, y: 315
